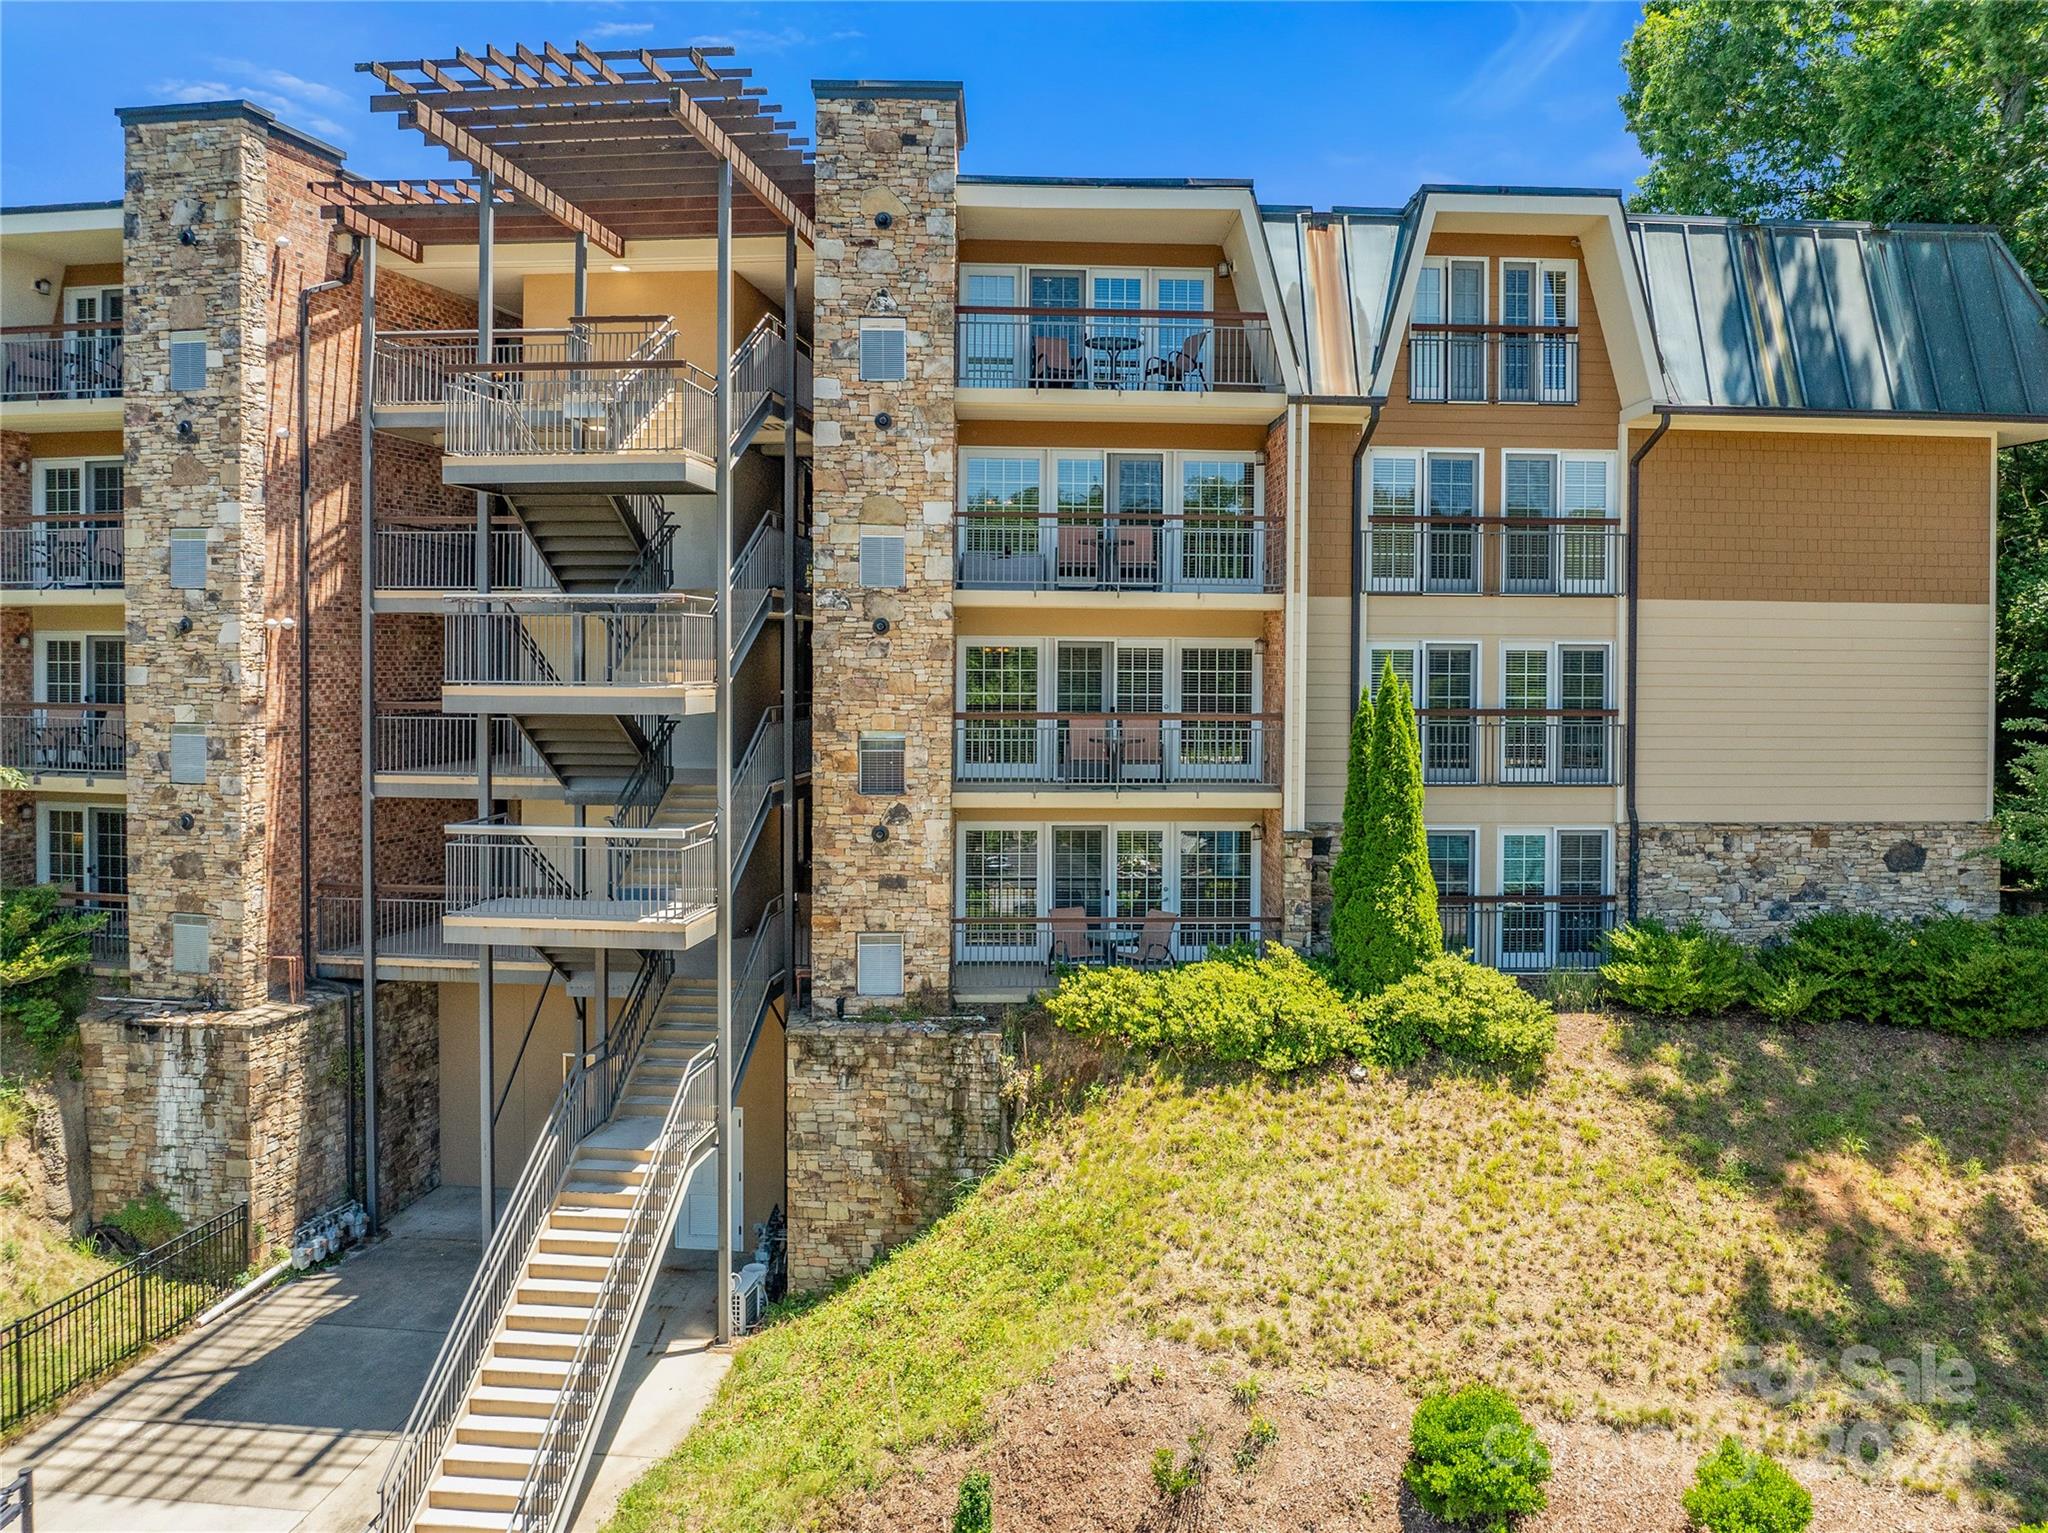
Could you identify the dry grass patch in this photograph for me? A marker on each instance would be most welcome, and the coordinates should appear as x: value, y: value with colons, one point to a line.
x: 1597, y: 1244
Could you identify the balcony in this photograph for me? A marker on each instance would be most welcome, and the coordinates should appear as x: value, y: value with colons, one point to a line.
x: 580, y: 654
x: 1493, y: 364
x: 580, y: 886
x: 1528, y: 933
x: 110, y: 942
x: 419, y: 562
x: 1504, y: 747
x: 1494, y: 556
x: 410, y: 942
x: 1128, y: 354
x: 67, y: 740
x: 1067, y: 551
x: 43, y: 362
x: 411, y: 369
x: 998, y: 955
x: 61, y: 553
x: 424, y: 753
x: 1139, y: 752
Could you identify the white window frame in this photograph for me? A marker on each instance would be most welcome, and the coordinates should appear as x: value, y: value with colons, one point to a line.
x: 1174, y: 462
x: 39, y: 682
x: 1547, y: 958
x: 1419, y: 537
x: 90, y: 812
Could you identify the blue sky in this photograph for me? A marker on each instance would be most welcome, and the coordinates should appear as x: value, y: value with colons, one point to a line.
x: 1322, y: 104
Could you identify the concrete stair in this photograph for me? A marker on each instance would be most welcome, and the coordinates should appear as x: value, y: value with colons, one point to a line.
x: 483, y: 1468
x: 588, y: 539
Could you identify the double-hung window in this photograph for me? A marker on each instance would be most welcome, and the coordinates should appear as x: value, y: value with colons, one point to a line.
x: 1450, y: 864
x: 1449, y: 733
x: 1538, y: 355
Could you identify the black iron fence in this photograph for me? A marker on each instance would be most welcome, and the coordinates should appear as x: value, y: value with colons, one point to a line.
x: 92, y: 1330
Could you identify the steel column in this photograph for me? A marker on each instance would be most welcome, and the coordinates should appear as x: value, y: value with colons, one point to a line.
x: 721, y: 417
x: 579, y: 302
x: 486, y: 1071
x: 789, y: 604
x: 366, y: 650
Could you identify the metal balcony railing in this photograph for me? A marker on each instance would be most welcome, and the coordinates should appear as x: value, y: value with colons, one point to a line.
x: 441, y: 556
x: 654, y: 405
x: 1070, y: 551
x: 110, y: 942
x: 571, y: 641
x: 1528, y: 933
x: 1504, y: 747
x: 412, y: 368
x: 78, y: 361
x: 1494, y: 555
x: 1496, y: 364
x: 995, y: 951
x: 1120, y: 350
x: 568, y: 873
x: 65, y: 740
x: 61, y: 553
x: 1103, y: 750
x: 424, y: 742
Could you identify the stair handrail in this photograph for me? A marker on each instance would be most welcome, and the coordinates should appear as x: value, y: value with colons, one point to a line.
x: 746, y: 781
x: 649, y: 571
x: 545, y: 1495
x: 764, y: 549
x: 644, y: 790
x: 459, y: 1364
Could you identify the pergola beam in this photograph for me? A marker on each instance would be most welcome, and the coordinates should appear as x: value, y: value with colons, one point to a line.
x: 358, y: 222
x: 750, y: 174
x: 467, y: 146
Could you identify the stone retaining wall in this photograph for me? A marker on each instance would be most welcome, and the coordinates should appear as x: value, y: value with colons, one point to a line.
x: 885, y: 1119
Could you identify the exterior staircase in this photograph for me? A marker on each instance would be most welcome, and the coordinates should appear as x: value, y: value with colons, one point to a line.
x: 502, y: 1430
x: 589, y: 540
x: 594, y: 756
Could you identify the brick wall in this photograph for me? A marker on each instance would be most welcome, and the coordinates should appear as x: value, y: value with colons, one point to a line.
x: 1779, y: 516
x: 885, y: 1120
x: 408, y: 1093
x: 899, y: 157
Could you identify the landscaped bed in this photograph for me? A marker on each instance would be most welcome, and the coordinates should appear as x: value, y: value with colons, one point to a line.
x: 1602, y: 1243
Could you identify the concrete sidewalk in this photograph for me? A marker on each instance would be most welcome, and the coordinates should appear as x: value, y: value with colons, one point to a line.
x: 279, y: 1418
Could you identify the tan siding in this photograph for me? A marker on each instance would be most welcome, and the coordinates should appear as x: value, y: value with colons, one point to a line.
x: 1192, y: 620
x: 1489, y: 620
x: 1329, y: 508
x: 1813, y: 711
x: 1329, y: 707
x: 1770, y: 516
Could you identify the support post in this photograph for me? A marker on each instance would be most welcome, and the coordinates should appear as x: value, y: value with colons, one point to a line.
x: 721, y: 417
x: 791, y: 583
x: 603, y: 996
x: 487, y: 1160
x: 366, y: 652
x: 580, y: 303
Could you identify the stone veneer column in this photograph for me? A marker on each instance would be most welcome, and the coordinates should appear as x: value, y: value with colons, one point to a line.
x: 198, y: 258
x: 884, y: 149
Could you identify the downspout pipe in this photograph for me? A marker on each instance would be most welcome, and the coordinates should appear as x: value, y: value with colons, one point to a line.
x: 1372, y: 424
x: 1635, y: 562
x: 306, y: 297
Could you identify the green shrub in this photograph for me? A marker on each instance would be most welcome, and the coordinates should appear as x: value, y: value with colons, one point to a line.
x: 1690, y: 972
x: 148, y: 1220
x: 1471, y: 1012
x: 44, y: 950
x: 1472, y: 1459
x: 1402, y: 931
x: 1980, y: 979
x: 1274, y: 1011
x: 1741, y: 1492
x: 974, y: 1512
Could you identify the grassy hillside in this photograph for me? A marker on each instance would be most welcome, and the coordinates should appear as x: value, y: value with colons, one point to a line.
x: 1597, y: 1244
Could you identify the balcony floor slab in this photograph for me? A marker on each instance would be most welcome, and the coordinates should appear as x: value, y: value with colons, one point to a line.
x: 579, y: 698
x: 1216, y: 407
x: 615, y: 473
x: 1135, y: 799
x: 580, y: 923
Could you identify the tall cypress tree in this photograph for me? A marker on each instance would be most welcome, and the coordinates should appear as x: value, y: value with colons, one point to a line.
x: 1350, y: 919
x: 1396, y: 887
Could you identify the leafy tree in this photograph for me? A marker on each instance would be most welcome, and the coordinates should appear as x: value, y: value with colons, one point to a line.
x: 1395, y: 886
x: 1350, y: 921
x: 2023, y: 810
x: 1885, y: 110
x: 44, y: 950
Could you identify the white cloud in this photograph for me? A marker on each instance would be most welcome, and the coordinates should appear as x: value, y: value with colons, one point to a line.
x: 612, y: 31
x: 293, y: 110
x: 289, y: 85
x: 1514, y: 71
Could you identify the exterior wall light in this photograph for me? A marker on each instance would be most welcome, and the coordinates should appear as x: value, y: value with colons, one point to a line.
x: 884, y: 219
x: 879, y: 834
x: 881, y: 625
x: 885, y: 420
x: 43, y: 287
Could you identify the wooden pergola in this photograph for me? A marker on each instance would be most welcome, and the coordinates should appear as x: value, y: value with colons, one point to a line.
x: 610, y: 145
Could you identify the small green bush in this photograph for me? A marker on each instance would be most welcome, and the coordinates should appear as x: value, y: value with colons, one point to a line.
x: 974, y: 1512
x: 148, y: 1220
x: 1740, y: 1492
x: 1273, y: 1011
x: 1690, y: 972
x: 1472, y: 1013
x: 1979, y: 979
x: 1472, y: 1459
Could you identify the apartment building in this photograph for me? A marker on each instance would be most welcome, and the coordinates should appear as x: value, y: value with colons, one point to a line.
x: 602, y: 649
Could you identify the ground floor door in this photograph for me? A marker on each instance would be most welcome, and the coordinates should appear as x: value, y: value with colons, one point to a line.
x: 697, y: 1224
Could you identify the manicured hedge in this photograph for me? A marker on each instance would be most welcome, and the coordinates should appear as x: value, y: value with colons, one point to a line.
x: 1979, y: 979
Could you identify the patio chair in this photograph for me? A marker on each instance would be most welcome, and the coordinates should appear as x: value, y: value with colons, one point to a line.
x: 1139, y: 734
x: 1080, y: 552
x: 1087, y: 757
x: 1070, y: 936
x: 1153, y: 944
x: 1137, y: 552
x: 1175, y: 368
x: 1054, y: 365
x: 32, y: 370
